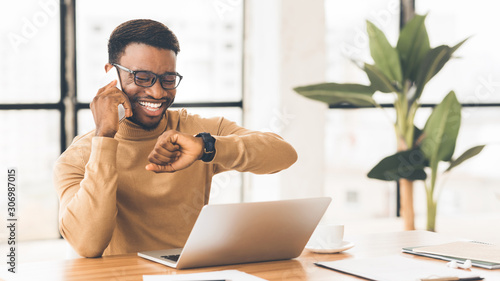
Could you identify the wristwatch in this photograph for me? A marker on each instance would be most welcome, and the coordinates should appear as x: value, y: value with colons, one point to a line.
x: 209, y: 150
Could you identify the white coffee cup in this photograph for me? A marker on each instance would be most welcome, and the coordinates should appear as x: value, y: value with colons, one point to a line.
x: 327, y: 236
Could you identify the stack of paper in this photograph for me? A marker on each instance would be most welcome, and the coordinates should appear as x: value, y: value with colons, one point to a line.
x: 481, y: 254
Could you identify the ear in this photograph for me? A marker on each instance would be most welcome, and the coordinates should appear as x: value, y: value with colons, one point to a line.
x: 107, y: 67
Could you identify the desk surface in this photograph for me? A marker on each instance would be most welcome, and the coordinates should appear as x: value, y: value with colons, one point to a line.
x: 131, y: 267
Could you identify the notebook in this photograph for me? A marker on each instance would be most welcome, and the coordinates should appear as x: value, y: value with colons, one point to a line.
x: 246, y: 232
x: 481, y: 254
x: 398, y: 268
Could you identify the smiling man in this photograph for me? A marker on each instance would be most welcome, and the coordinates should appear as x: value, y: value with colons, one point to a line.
x: 140, y: 184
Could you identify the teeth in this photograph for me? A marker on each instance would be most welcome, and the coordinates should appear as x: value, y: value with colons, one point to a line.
x: 150, y: 104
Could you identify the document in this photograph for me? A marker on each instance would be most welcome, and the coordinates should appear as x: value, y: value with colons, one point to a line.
x: 398, y: 268
x: 204, y: 276
x: 481, y: 254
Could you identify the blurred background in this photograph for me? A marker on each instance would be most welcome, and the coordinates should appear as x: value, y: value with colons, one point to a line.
x: 241, y: 59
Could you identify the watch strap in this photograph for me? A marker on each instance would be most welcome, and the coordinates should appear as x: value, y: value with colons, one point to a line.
x: 209, y: 149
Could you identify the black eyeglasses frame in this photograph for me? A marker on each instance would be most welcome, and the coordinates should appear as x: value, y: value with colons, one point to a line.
x: 155, y: 78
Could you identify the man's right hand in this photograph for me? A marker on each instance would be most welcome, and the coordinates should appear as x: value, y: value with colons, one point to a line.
x: 104, y: 108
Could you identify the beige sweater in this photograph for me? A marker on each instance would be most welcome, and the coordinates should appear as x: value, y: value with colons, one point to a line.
x: 109, y: 203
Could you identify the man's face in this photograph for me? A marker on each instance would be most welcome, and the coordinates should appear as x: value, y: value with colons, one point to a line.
x: 148, y: 104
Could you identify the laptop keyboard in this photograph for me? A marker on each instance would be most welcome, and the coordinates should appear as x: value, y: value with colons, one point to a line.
x: 172, y: 257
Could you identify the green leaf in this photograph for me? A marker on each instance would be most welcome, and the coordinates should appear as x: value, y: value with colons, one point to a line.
x: 413, y: 45
x: 441, y: 131
x: 379, y: 81
x: 408, y: 164
x: 385, y: 56
x: 471, y: 152
x: 334, y: 93
x: 432, y: 63
x: 454, y: 48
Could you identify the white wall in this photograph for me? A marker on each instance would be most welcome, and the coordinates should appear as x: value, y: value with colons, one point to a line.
x: 285, y: 48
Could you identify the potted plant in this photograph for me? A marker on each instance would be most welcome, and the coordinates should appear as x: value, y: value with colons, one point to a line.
x: 403, y: 72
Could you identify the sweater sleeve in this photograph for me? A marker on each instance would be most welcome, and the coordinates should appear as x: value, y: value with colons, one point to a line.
x: 87, y: 195
x: 244, y: 150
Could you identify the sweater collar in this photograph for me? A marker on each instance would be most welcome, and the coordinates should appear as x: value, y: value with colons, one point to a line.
x: 128, y: 130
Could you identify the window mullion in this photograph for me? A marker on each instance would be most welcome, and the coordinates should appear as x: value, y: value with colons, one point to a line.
x: 68, y: 73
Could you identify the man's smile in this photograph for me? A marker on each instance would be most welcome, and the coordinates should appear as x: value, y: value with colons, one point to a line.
x: 151, y: 106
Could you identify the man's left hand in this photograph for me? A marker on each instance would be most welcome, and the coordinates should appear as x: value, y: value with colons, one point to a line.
x: 174, y: 151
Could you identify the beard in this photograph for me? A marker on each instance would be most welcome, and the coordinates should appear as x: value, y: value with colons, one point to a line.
x: 152, y: 126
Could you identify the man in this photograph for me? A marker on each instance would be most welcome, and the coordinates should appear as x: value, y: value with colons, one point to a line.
x: 140, y: 184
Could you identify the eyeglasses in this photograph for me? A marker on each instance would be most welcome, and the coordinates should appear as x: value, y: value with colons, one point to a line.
x: 168, y: 81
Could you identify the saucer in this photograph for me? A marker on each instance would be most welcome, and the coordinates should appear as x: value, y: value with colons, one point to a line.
x: 346, y: 245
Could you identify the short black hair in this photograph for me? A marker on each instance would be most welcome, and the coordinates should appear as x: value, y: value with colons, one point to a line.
x: 143, y: 31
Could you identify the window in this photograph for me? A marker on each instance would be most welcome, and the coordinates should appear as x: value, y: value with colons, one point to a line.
x: 36, y: 76
x: 30, y: 113
x: 358, y: 138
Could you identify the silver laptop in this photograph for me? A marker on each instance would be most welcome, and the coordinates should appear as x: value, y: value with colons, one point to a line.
x: 246, y: 232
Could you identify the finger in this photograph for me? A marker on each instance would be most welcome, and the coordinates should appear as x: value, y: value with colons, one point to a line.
x: 119, y: 96
x: 112, y: 92
x: 169, y: 144
x: 169, y: 151
x: 127, y: 105
x: 161, y: 155
x: 162, y: 159
x: 170, y: 147
x: 160, y: 168
x: 108, y: 86
x: 110, y: 97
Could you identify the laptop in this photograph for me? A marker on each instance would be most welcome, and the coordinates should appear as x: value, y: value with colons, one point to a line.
x: 227, y: 234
